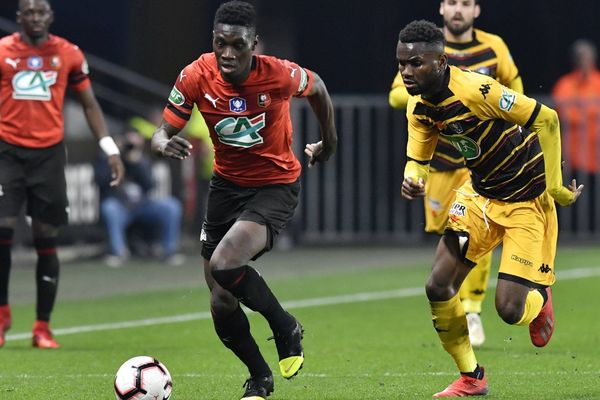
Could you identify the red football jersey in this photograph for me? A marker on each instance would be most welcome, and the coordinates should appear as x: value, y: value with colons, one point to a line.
x: 33, y: 81
x: 249, y: 124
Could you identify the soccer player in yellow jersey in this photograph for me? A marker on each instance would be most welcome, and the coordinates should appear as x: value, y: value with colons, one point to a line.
x: 483, y: 52
x: 511, y: 145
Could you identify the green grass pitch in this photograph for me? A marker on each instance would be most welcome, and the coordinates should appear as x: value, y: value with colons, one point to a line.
x: 368, y: 331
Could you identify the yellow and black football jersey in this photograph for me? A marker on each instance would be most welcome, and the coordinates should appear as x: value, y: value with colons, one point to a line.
x: 487, y: 54
x: 487, y: 123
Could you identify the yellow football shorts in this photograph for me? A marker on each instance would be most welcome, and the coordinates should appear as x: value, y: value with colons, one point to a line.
x: 528, y: 231
x: 440, y: 190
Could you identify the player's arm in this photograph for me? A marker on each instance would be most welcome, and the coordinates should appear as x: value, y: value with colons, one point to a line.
x: 95, y: 119
x: 501, y: 102
x: 320, y: 102
x: 422, y: 140
x: 398, y: 97
x: 546, y: 124
x: 166, y: 143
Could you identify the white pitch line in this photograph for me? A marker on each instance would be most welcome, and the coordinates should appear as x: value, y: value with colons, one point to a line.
x: 576, y: 273
x: 309, y: 375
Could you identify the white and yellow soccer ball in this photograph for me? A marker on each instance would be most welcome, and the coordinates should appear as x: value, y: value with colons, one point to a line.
x: 143, y: 378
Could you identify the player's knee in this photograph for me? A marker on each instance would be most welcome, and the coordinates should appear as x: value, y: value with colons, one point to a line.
x: 438, y: 291
x: 510, y: 311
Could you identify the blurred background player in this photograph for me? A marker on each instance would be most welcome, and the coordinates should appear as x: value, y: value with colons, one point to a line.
x: 135, y: 219
x: 35, y: 70
x: 577, y: 98
x: 511, y: 145
x: 244, y: 99
x: 483, y: 52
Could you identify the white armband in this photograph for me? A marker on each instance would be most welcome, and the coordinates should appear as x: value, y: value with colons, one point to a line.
x: 108, y: 145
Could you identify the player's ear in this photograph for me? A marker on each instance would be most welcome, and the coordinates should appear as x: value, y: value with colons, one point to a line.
x: 255, y: 43
x: 18, y: 19
x: 443, y: 62
x: 442, y: 8
x: 477, y: 10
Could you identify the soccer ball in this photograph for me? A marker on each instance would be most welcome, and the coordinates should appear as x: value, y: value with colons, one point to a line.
x: 143, y: 378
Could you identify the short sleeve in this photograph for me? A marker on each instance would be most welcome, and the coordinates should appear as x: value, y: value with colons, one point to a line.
x: 297, y: 81
x: 180, y: 103
x: 78, y: 70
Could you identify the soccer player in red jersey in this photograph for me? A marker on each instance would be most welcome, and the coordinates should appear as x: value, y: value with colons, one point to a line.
x: 35, y: 70
x: 245, y: 101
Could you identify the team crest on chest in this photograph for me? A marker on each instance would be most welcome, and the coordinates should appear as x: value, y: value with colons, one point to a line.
x: 237, y: 105
x: 35, y: 62
x: 264, y: 100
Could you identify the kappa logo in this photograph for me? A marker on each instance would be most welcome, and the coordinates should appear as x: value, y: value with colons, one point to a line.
x: 33, y: 85
x: 211, y: 99
x: 237, y: 104
x: 485, y: 89
x: 456, y: 127
x: 458, y: 209
x: 203, y: 235
x: 181, y: 76
x: 545, y: 268
x: 293, y: 71
x: 242, y: 131
x: 523, y: 261
x: 13, y: 62
x: 507, y: 100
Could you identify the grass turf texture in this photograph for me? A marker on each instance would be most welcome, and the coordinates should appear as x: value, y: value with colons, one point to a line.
x: 377, y: 349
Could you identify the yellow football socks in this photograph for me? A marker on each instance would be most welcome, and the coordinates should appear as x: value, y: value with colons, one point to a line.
x: 473, y: 289
x: 533, y: 306
x: 450, y: 323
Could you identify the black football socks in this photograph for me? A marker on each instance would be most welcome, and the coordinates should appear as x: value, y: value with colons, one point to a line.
x: 249, y: 287
x: 234, y: 332
x: 6, y: 238
x: 46, y: 276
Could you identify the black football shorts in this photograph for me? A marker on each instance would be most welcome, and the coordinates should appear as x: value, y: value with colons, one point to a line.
x: 35, y: 177
x: 269, y: 205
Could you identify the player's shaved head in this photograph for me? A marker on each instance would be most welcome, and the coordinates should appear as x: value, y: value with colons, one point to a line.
x: 25, y: 3
x: 425, y: 32
x: 236, y: 13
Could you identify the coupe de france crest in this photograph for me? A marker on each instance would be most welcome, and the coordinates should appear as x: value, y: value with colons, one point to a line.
x: 237, y: 104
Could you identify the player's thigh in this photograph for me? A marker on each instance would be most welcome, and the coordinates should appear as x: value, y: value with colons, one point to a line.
x: 273, y: 206
x: 529, y: 243
x: 46, y: 185
x: 468, y: 221
x: 12, y: 182
x: 240, y: 244
x: 440, y: 190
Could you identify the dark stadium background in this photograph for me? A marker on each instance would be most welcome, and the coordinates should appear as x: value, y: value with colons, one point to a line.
x: 350, y: 43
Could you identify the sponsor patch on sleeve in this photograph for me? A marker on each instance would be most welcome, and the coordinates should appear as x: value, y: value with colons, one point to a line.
x: 176, y: 97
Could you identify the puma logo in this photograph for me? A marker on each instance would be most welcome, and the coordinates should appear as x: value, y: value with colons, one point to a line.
x: 210, y: 98
x: 13, y: 62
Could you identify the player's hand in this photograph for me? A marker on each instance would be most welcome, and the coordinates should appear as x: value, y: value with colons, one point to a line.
x: 566, y: 195
x: 176, y: 147
x: 117, y: 168
x: 317, y: 152
x: 577, y: 190
x: 411, y: 189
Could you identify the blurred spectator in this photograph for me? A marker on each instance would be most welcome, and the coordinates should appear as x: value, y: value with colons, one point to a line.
x: 577, y: 97
x: 133, y: 218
